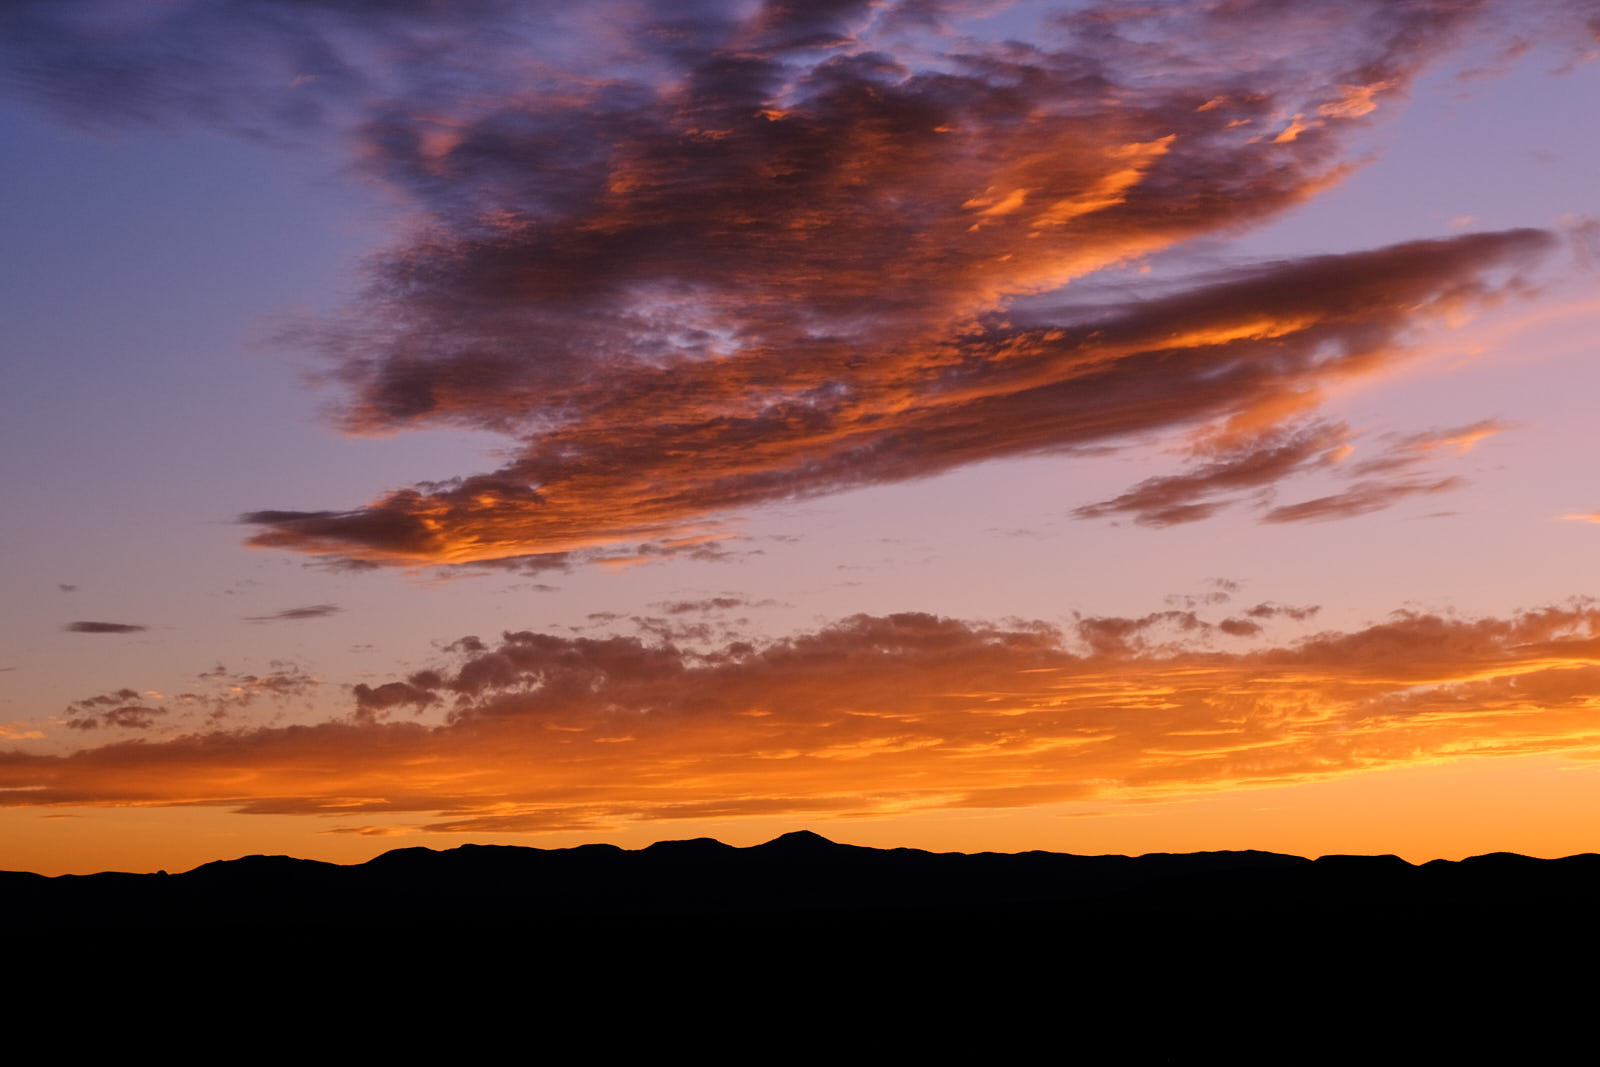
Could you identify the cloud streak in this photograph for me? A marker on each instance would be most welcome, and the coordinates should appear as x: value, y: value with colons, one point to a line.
x: 875, y: 714
x: 1259, y: 462
x: 311, y: 611
x: 87, y: 627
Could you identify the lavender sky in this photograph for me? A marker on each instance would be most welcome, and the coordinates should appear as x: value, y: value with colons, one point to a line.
x: 1085, y: 426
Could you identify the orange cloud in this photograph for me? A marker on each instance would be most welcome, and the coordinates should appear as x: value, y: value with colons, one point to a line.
x: 1355, y: 100
x: 783, y: 269
x: 693, y: 260
x: 877, y: 715
x: 647, y: 452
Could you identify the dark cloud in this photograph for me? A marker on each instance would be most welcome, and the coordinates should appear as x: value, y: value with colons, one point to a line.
x: 1267, y: 610
x: 1258, y: 462
x: 103, y: 628
x: 119, y: 696
x: 120, y: 709
x: 219, y: 694
x: 65, y: 588
x: 373, y: 703
x: 313, y: 611
x: 672, y: 631
x: 1263, y: 460
x: 1117, y: 636
x: 1359, y: 499
x: 874, y: 714
x: 271, y: 70
x: 1221, y: 592
x: 228, y: 692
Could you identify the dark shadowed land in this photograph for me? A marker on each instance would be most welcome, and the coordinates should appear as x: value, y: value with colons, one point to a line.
x: 802, y: 944
x: 803, y: 879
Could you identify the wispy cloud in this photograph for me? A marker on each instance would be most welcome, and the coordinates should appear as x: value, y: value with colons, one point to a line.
x: 1227, y: 470
x: 1213, y: 484
x: 121, y: 709
x: 312, y: 611
x: 1360, y: 499
x: 710, y: 605
x: 216, y: 695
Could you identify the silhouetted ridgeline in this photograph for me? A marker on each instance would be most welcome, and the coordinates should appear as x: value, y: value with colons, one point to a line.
x: 801, y: 948
x: 802, y: 879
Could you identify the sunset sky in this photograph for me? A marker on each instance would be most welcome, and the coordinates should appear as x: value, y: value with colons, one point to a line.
x: 1087, y: 426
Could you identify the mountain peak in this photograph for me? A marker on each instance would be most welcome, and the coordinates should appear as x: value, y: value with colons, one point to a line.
x: 800, y: 839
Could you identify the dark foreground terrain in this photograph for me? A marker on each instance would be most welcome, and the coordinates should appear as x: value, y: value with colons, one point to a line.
x: 801, y: 943
x: 806, y: 880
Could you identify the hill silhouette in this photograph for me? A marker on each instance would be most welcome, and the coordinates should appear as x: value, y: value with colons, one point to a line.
x: 804, y: 878
x: 803, y: 947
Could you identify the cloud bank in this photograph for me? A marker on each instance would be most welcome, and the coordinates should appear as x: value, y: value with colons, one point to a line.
x: 871, y: 715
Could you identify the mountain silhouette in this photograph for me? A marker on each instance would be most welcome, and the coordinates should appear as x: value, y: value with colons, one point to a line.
x: 1270, y: 957
x: 803, y: 877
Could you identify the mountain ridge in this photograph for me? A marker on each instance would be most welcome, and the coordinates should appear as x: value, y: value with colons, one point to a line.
x: 800, y: 876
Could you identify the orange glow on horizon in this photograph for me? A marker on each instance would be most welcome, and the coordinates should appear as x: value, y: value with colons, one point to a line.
x: 873, y: 719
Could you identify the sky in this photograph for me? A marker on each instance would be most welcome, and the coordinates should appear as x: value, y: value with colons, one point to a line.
x: 1102, y: 427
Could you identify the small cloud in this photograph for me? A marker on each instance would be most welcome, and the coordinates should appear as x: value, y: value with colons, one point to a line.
x: 1267, y: 610
x: 65, y: 588
x: 1294, y: 130
x: 1254, y: 463
x: 126, y: 717
x: 711, y: 604
x: 313, y: 611
x: 1355, y: 100
x: 374, y: 703
x: 103, y: 628
x: 1593, y: 516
